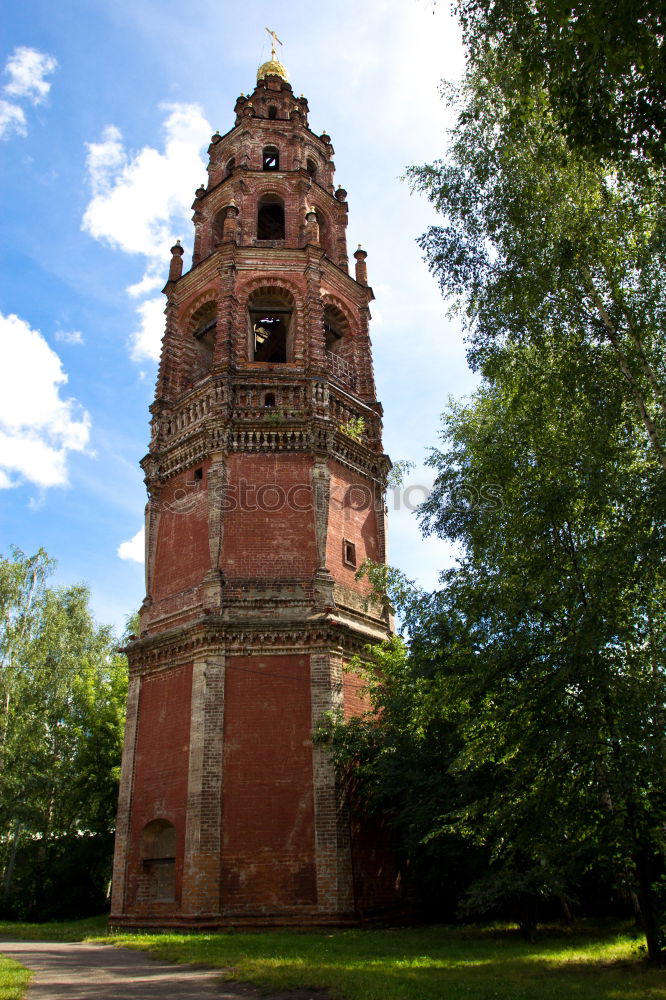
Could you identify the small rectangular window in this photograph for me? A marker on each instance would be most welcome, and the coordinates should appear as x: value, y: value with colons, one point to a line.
x: 198, y: 475
x: 348, y: 553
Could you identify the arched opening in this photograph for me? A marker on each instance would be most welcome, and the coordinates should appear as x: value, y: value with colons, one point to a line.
x: 230, y: 167
x: 270, y: 315
x: 204, y: 330
x: 158, y: 861
x: 335, y: 328
x: 339, y: 348
x: 271, y: 158
x: 311, y: 167
x: 270, y: 218
x: 324, y: 232
x: 272, y: 112
x: 218, y: 226
x: 269, y: 399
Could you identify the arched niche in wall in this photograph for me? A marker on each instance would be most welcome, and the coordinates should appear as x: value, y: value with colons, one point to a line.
x: 270, y: 325
x: 339, y: 345
x: 270, y: 218
x: 325, y: 233
x: 218, y: 226
x: 158, y: 860
x: 203, y: 325
x: 336, y: 329
x: 311, y: 167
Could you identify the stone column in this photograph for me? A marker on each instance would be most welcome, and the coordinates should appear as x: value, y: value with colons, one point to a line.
x: 213, y: 581
x: 335, y: 887
x: 124, y: 815
x: 203, y: 828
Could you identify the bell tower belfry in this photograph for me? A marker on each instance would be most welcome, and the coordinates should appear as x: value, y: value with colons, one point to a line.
x: 265, y: 477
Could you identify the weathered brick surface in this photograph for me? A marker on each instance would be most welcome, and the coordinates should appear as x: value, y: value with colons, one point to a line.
x: 255, y: 485
x: 182, y: 528
x: 266, y: 537
x: 268, y: 844
x: 160, y: 770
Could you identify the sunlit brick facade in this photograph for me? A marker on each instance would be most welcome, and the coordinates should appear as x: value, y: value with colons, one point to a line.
x: 265, y: 478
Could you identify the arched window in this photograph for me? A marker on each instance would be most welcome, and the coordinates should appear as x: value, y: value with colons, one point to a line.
x: 311, y: 167
x: 270, y: 314
x: 335, y: 328
x: 271, y: 158
x: 231, y: 166
x: 272, y: 112
x: 324, y: 233
x: 158, y: 861
x: 270, y: 218
x: 339, y: 346
x: 204, y: 329
x: 218, y: 226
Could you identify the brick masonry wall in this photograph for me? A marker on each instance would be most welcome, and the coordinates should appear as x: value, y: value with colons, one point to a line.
x: 268, y: 843
x: 182, y: 554
x: 264, y: 543
x: 160, y: 768
x: 351, y: 517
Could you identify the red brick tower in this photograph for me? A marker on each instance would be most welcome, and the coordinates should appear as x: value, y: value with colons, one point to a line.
x: 264, y: 465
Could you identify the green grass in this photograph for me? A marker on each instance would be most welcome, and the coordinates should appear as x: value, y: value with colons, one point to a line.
x: 591, y: 962
x: 13, y: 979
x: 67, y: 930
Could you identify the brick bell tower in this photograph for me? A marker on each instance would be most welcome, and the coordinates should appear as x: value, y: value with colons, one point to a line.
x: 263, y: 471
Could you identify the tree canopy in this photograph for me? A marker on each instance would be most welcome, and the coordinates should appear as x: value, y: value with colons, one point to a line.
x: 63, y: 689
x: 525, y: 714
x: 602, y: 65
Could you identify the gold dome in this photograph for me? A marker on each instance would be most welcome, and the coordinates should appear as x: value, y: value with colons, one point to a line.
x: 272, y: 68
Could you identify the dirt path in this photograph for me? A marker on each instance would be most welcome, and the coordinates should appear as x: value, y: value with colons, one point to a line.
x: 83, y: 971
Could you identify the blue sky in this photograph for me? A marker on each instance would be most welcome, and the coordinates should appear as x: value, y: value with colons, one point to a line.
x: 105, y: 114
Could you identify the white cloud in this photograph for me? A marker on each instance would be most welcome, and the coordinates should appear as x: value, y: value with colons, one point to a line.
x: 12, y: 119
x: 141, y: 201
x: 38, y: 428
x: 134, y: 549
x: 153, y: 279
x: 26, y: 69
x: 69, y: 336
x: 145, y: 343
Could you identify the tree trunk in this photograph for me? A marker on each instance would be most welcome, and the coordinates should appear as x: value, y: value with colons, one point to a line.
x: 11, y: 864
x: 649, y: 868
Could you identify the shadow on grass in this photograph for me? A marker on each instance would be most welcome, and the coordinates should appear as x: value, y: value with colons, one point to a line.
x: 435, y: 963
x: 594, y: 962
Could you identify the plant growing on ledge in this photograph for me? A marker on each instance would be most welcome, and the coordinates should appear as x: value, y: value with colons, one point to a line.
x: 353, y: 428
x: 275, y: 417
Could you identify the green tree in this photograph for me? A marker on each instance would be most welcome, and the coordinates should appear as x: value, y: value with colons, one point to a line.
x: 602, y: 65
x: 541, y: 242
x: 559, y: 607
x: 540, y: 661
x: 556, y: 261
x: 63, y: 691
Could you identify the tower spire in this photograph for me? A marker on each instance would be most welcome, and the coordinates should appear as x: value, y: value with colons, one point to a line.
x: 274, y: 39
x: 273, y: 67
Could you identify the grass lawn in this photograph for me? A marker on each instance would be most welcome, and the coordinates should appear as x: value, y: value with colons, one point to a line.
x: 414, y: 963
x: 13, y: 979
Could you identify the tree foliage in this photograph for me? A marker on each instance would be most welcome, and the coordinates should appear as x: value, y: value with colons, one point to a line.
x: 63, y: 690
x: 526, y: 714
x: 602, y: 65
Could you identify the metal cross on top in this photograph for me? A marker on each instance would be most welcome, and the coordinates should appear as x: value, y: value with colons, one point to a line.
x: 274, y: 39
